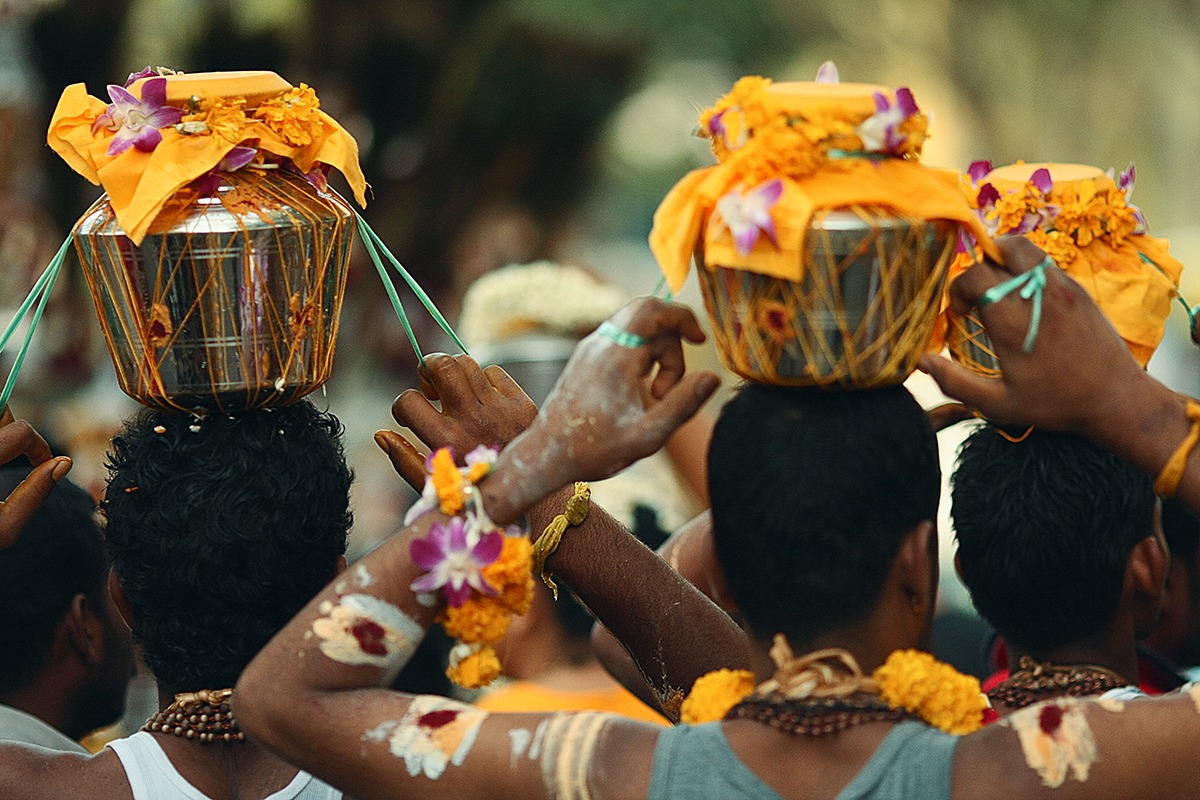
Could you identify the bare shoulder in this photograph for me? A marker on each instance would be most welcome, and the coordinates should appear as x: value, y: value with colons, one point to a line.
x: 34, y: 773
x: 1099, y: 750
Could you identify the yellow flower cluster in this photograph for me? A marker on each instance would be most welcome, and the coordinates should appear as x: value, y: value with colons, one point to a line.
x: 714, y: 694
x: 484, y: 619
x: 476, y: 670
x: 448, y: 481
x: 225, y: 117
x: 293, y: 115
x: 936, y: 692
x: 1084, y: 214
x: 755, y: 144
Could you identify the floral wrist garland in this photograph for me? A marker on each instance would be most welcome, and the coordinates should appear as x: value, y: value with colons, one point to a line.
x: 483, y: 572
x: 910, y: 679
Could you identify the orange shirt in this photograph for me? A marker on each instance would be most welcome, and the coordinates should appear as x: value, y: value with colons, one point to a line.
x: 530, y: 696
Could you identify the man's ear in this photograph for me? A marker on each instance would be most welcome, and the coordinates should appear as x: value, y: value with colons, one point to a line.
x: 916, y: 564
x: 342, y: 565
x: 120, y: 600
x: 1146, y: 577
x: 84, y: 629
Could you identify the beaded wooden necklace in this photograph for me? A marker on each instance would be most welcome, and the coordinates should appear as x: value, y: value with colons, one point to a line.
x: 1033, y: 682
x: 816, y: 695
x: 203, y: 716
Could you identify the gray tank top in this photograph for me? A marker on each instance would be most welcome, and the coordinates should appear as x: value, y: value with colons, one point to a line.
x: 695, y: 762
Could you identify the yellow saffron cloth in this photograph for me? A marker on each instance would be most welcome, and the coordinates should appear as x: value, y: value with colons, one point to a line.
x: 139, y: 184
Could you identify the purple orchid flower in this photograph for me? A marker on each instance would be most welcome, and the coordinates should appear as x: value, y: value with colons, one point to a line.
x: 1125, y: 182
x: 317, y: 177
x: 880, y: 131
x: 747, y: 215
x: 987, y: 197
x: 136, y: 121
x: 716, y: 128
x: 978, y: 171
x: 828, y: 73
x: 208, y: 183
x: 1041, y: 180
x: 966, y: 242
x: 134, y: 77
x: 455, y: 566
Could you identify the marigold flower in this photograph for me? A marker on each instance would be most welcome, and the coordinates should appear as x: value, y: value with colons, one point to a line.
x: 474, y: 669
x: 714, y: 694
x: 448, y: 481
x: 938, y: 693
x: 479, y: 619
x: 224, y: 117
x: 294, y: 115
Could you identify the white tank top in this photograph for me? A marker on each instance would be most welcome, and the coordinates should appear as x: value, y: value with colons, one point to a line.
x: 153, y: 777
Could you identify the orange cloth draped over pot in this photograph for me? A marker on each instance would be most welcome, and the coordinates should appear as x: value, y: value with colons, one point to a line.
x: 140, y: 183
x: 810, y: 137
x: 1132, y: 276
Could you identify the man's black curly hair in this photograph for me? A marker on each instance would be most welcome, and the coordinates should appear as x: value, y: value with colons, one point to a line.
x: 812, y: 493
x: 1045, y: 526
x: 221, y: 530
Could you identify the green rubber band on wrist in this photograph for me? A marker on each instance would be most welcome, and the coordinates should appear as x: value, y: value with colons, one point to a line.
x: 620, y: 336
x: 1032, y: 285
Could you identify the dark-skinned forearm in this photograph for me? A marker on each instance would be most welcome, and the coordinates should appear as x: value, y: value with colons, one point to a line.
x: 673, y: 631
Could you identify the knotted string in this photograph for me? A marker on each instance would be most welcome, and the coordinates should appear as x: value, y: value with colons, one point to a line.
x: 1032, y: 284
x: 39, y: 294
x: 832, y: 672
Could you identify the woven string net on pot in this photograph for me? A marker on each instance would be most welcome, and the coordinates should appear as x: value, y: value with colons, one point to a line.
x: 231, y: 301
x: 861, y: 316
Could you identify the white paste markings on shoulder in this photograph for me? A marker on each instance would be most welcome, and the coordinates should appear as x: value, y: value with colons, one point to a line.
x: 1056, y: 739
x: 362, y: 629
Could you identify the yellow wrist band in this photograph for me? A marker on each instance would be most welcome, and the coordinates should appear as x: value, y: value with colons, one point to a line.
x: 1172, y: 472
x: 574, y: 515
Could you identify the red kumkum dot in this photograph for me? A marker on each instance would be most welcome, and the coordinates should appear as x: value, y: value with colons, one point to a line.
x: 1050, y: 719
x: 436, y: 719
x: 370, y: 636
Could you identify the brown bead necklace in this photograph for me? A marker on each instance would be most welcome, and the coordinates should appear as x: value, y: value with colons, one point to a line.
x: 203, y: 716
x: 817, y: 694
x: 1033, y: 682
x: 817, y: 716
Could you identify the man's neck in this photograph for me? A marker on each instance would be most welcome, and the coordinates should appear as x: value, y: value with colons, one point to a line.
x: 1111, y: 650
x: 53, y: 707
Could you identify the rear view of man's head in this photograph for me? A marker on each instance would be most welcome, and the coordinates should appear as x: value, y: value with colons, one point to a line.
x: 64, y: 653
x: 220, y: 530
x: 1047, y: 529
x: 813, y: 493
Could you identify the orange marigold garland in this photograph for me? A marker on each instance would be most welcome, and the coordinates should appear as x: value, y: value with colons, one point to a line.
x: 910, y: 679
x: 485, y: 574
x: 714, y: 693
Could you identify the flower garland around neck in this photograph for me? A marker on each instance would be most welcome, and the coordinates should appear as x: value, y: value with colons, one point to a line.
x: 1062, y: 221
x: 910, y: 681
x: 757, y: 146
x: 483, y: 572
